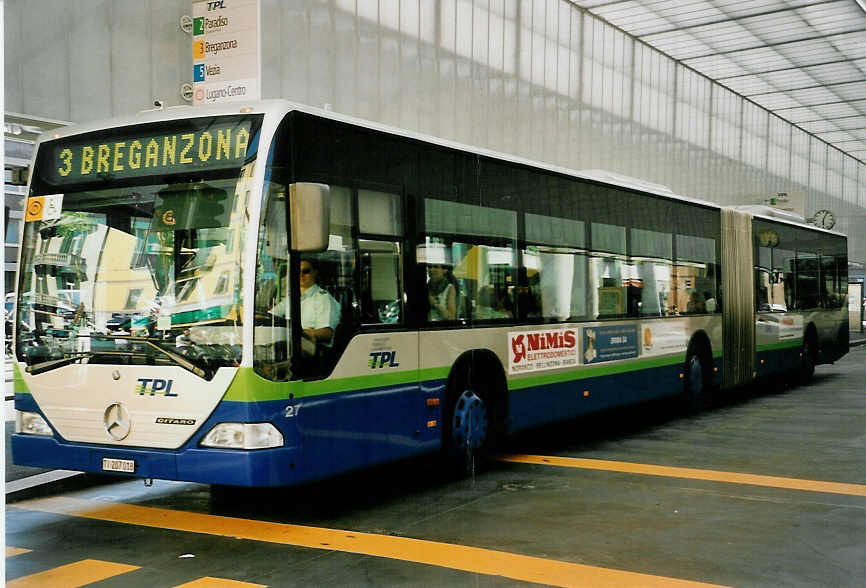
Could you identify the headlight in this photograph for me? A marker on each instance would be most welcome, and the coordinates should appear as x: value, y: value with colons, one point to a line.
x: 243, y: 436
x: 31, y: 423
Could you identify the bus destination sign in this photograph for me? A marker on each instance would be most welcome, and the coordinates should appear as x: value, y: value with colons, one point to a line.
x: 217, y: 146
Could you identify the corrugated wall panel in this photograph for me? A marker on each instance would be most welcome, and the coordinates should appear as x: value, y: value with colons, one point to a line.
x: 538, y: 78
x: 94, y: 64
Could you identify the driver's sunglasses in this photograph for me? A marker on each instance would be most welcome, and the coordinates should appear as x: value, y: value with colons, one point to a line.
x: 306, y: 270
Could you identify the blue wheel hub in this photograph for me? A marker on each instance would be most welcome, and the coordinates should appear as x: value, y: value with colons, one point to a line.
x: 469, y: 425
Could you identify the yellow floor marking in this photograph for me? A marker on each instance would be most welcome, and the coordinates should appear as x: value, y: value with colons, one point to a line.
x: 208, y: 582
x: 690, y: 473
x: 12, y: 551
x: 458, y: 557
x: 72, y: 575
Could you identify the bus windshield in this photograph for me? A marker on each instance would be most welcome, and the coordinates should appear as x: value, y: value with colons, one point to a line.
x: 133, y: 244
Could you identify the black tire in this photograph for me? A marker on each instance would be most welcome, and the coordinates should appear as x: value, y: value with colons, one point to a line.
x: 466, y: 430
x: 807, y: 359
x: 696, y: 382
x: 473, y: 411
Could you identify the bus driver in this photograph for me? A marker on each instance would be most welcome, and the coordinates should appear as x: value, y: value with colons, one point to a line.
x: 320, y: 312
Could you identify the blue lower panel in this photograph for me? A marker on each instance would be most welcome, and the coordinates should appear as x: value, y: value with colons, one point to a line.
x: 327, y: 436
x: 776, y: 361
x: 531, y: 407
x: 353, y: 430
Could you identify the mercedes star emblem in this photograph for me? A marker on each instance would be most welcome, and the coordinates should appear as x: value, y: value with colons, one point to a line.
x: 117, y: 422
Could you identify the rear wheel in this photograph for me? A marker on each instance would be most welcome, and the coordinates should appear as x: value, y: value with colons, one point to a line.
x: 695, y: 386
x: 807, y: 360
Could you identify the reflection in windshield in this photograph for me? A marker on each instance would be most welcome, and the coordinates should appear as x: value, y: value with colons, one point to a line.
x: 148, y: 274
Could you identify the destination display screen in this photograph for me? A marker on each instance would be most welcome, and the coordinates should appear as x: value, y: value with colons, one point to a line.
x: 145, y: 150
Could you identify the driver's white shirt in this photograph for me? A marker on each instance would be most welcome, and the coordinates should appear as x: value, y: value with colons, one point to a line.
x: 319, y: 309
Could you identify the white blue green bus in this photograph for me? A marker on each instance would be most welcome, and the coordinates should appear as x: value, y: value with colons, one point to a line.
x: 161, y: 330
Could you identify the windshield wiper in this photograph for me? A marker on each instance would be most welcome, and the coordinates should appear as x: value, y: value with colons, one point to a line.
x: 51, y: 364
x: 178, y: 359
x: 38, y: 368
x: 149, y: 341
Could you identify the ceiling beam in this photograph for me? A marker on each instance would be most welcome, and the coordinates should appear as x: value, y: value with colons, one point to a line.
x: 815, y: 87
x: 734, y: 18
x: 839, y: 143
x: 816, y: 133
x: 813, y: 105
x: 768, y: 45
x: 795, y: 68
x: 814, y: 120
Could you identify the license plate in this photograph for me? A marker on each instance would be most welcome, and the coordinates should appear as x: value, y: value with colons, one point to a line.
x: 118, y: 465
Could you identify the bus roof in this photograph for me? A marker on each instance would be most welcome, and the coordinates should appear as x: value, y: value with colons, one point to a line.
x: 280, y: 107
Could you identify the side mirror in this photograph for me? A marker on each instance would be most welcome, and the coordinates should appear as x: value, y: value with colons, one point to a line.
x: 310, y: 214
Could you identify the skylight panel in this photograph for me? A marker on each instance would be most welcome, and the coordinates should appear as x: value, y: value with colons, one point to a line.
x: 718, y: 66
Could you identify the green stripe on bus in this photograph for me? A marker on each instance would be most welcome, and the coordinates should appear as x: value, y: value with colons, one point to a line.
x: 780, y: 345
x: 248, y: 386
x: 595, y: 371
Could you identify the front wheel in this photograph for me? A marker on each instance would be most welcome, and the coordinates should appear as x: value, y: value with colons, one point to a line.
x: 807, y: 361
x: 469, y: 423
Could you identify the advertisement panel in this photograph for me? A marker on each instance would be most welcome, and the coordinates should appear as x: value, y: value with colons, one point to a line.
x: 530, y: 351
x: 607, y: 343
x: 664, y: 337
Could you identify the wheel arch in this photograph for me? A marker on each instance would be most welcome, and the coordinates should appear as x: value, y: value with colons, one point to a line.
x: 481, y: 370
x: 700, y: 345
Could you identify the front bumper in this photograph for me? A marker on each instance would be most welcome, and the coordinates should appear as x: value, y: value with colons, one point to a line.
x: 261, y: 467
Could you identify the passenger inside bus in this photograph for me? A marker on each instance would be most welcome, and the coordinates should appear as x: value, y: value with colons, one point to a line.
x: 490, y: 304
x: 441, y: 294
x: 696, y: 304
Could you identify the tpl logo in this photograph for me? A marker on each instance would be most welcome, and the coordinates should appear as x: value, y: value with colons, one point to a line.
x: 215, y: 4
x: 379, y: 359
x: 154, y: 387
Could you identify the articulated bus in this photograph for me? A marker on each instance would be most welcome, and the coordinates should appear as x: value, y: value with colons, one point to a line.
x: 457, y: 295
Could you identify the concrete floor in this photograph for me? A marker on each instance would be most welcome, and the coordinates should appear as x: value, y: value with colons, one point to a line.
x: 676, y: 526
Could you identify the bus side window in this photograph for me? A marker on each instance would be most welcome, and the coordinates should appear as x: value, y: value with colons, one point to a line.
x: 608, y: 274
x: 695, y: 276
x: 558, y: 256
x: 380, y: 224
x: 467, y: 247
x: 807, y: 270
x: 648, y: 284
x: 381, y: 289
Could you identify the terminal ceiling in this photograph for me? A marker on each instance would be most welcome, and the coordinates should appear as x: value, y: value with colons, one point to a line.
x: 803, y: 60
